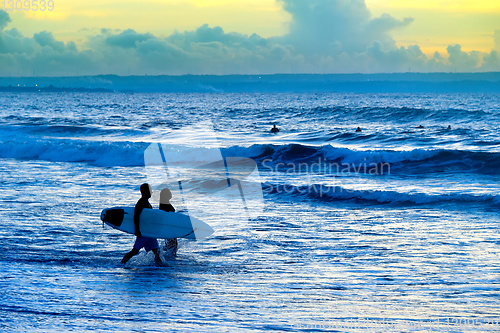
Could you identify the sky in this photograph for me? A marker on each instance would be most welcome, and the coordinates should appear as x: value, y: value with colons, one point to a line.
x: 176, y: 37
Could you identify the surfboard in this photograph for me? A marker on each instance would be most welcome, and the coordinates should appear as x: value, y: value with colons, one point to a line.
x: 156, y: 223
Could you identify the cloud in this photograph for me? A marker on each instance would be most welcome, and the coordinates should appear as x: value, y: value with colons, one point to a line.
x: 497, y: 39
x: 127, y: 39
x: 491, y: 62
x: 335, y: 26
x: 325, y: 36
x: 4, y: 19
x: 463, y: 60
x: 45, y: 38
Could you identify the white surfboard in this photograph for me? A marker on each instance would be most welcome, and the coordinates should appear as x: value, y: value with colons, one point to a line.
x: 156, y: 223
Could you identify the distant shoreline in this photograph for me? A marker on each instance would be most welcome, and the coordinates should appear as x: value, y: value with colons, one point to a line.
x: 51, y: 89
x: 276, y: 83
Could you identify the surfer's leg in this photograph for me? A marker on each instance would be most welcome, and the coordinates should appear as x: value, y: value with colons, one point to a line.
x: 129, y: 255
x: 171, y: 245
x: 152, y: 245
x: 174, y: 246
x: 157, y: 256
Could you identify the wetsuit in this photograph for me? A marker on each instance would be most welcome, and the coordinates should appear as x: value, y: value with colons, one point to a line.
x: 139, y: 206
x: 167, y: 207
x: 170, y: 244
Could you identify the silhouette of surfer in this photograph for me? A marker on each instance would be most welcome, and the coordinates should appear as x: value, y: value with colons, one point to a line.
x: 165, y: 196
x: 148, y: 243
x: 420, y: 126
x: 358, y: 129
x: 449, y: 127
x: 275, y: 129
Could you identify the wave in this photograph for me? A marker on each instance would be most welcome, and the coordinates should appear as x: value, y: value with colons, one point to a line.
x: 127, y: 153
x: 106, y: 154
x: 69, y: 130
x: 338, y: 193
x: 396, y: 114
x: 328, y: 156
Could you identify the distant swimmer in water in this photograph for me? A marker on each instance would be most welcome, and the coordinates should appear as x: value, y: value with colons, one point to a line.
x: 420, y: 126
x: 275, y: 129
x: 449, y: 127
x: 358, y: 129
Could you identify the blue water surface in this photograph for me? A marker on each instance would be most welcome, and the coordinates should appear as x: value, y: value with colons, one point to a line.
x: 339, y: 245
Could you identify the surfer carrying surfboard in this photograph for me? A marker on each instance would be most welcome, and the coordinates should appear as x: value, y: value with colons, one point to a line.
x: 148, y: 243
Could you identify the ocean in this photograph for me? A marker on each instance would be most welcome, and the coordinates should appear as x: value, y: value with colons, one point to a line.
x: 394, y: 228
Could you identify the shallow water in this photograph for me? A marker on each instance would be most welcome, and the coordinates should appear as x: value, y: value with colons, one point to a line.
x: 413, y: 249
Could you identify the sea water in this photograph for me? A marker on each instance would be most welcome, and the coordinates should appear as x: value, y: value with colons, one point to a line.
x: 394, y: 228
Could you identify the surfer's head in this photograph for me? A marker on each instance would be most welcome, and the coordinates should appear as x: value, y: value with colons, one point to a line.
x: 146, y: 190
x: 165, y: 196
